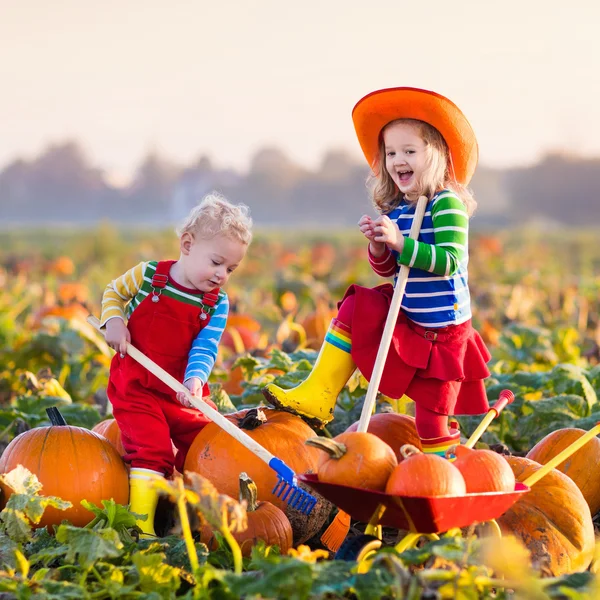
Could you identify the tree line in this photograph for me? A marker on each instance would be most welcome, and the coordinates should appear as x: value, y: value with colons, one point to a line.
x: 61, y: 185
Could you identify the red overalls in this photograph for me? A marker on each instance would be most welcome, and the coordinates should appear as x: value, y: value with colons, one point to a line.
x: 147, y: 411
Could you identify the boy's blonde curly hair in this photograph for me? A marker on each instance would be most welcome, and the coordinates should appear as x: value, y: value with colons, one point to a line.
x: 215, y: 215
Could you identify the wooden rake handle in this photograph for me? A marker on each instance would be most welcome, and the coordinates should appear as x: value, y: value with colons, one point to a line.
x: 215, y: 416
x: 390, y: 323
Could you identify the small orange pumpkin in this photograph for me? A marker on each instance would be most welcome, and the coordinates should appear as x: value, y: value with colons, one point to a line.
x: 265, y: 522
x: 72, y: 463
x: 579, y: 466
x: 425, y: 475
x: 354, y: 458
x: 484, y: 470
x: 394, y: 429
x: 109, y: 428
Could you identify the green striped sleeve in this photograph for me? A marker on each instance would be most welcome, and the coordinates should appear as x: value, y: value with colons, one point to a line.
x: 450, y: 229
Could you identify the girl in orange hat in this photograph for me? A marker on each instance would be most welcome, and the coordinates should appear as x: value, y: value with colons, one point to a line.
x: 417, y: 143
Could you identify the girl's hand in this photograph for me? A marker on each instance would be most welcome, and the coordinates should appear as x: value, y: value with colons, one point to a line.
x: 366, y: 227
x: 387, y: 232
x: 117, y: 335
x: 194, y: 385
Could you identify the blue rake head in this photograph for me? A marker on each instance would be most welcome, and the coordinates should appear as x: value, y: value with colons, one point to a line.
x: 287, y: 488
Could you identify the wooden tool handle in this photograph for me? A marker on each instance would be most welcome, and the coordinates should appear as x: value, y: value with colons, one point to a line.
x: 215, y: 416
x: 390, y: 323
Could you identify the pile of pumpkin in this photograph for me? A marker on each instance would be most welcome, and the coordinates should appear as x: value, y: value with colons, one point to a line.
x: 553, y: 519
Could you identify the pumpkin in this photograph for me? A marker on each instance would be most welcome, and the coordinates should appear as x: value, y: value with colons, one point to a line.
x: 109, y: 428
x: 265, y: 522
x: 553, y: 520
x: 483, y: 470
x: 394, y: 429
x: 214, y: 454
x: 579, y: 466
x: 72, y: 463
x: 422, y: 474
x: 354, y: 458
x: 317, y: 323
x: 241, y: 333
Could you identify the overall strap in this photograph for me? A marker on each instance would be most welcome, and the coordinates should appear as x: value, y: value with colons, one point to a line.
x: 161, y: 275
x: 160, y: 278
x: 209, y: 299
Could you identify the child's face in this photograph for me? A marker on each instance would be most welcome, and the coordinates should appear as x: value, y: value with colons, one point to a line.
x: 405, y: 156
x: 207, y: 264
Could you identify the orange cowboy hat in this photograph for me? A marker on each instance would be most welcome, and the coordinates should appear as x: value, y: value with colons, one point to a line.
x: 373, y: 112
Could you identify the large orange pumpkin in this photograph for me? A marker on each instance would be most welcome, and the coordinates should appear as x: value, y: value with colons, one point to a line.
x: 553, y: 520
x: 72, y: 463
x: 354, y: 458
x: 580, y: 466
x: 109, y: 428
x: 214, y: 454
x: 394, y: 429
x: 425, y: 475
x: 265, y: 522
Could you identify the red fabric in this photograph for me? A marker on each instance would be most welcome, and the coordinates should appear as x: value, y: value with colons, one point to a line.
x: 445, y: 376
x: 147, y: 411
x: 430, y: 424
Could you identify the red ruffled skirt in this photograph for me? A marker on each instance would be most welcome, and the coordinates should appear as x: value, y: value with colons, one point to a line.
x: 444, y: 375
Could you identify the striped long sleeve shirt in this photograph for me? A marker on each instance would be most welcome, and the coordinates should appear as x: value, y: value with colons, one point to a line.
x: 125, y: 293
x: 437, y: 290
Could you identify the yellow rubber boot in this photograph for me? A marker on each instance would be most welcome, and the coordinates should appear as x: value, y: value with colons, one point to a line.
x: 143, y: 497
x: 314, y: 399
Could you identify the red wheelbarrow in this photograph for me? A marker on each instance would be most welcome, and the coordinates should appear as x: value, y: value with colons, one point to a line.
x: 426, y: 516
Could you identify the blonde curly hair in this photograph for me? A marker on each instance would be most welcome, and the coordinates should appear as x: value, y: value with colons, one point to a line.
x: 385, y: 194
x: 215, y: 215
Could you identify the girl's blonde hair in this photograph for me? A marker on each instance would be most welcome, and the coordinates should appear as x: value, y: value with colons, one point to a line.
x: 215, y: 215
x: 435, y: 177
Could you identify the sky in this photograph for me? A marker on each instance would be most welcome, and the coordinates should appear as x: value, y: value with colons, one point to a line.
x: 225, y: 78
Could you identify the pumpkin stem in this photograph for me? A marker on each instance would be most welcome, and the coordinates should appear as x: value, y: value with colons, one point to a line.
x: 335, y: 449
x: 248, y: 492
x: 254, y: 418
x: 409, y: 450
x: 55, y: 417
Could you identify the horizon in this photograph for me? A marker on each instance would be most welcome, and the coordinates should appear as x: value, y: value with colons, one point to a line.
x: 224, y: 81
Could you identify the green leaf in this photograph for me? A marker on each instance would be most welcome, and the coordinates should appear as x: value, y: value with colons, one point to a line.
x: 88, y: 545
x: 155, y: 575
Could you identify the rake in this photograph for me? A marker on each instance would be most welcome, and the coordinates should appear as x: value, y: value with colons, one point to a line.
x: 287, y: 485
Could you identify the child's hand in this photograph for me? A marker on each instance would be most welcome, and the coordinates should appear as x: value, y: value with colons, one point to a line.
x: 367, y: 229
x: 117, y: 335
x: 194, y: 384
x: 387, y: 232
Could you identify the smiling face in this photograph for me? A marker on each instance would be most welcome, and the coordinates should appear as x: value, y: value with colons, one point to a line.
x: 206, y: 264
x: 405, y: 157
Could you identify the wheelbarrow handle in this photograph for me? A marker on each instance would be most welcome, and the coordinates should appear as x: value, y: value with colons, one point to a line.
x: 506, y: 398
x: 562, y: 456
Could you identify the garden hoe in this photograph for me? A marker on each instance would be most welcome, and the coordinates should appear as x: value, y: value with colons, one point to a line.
x: 287, y: 486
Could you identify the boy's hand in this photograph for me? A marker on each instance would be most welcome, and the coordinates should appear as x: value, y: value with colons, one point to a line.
x: 194, y: 384
x: 117, y: 335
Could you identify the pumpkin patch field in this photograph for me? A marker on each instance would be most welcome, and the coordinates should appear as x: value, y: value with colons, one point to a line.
x: 65, y: 528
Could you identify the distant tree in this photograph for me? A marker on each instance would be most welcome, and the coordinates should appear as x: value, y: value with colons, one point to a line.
x: 561, y: 188
x: 60, y: 184
x: 149, y: 196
